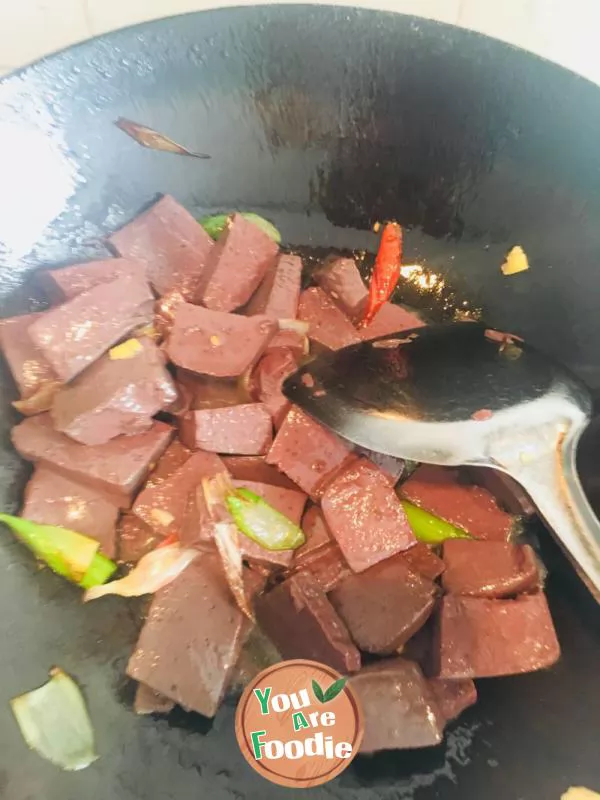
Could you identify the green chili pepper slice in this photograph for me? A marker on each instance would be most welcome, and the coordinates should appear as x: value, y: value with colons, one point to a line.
x: 262, y: 523
x: 216, y: 224
x: 66, y: 552
x: 429, y: 528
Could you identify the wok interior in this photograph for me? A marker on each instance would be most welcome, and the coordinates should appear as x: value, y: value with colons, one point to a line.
x: 325, y: 120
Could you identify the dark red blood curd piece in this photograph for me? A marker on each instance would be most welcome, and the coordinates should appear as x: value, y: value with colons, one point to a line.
x: 399, y: 707
x: 54, y: 499
x: 67, y: 282
x: 192, y: 638
x: 341, y: 280
x: 135, y: 539
x: 453, y: 697
x: 215, y: 343
x: 420, y: 558
x: 241, y: 258
x: 438, y: 490
x: 255, y: 468
x: 384, y: 605
x: 73, y: 335
x: 302, y: 623
x: 482, y: 638
x: 328, y: 326
x: 28, y: 366
x: 317, y: 534
x: 147, y: 701
x: 489, y: 569
x: 307, y: 452
x: 174, y: 247
x: 268, y: 377
x: 365, y: 516
x: 164, y: 505
x: 115, y: 397
x: 117, y: 467
x: 509, y: 494
x: 245, y: 429
x: 327, y: 566
x: 278, y: 294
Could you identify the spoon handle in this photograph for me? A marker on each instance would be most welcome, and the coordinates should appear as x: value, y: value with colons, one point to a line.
x: 554, y: 486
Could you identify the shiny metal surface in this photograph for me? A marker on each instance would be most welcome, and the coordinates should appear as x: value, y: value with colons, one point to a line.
x: 463, y: 394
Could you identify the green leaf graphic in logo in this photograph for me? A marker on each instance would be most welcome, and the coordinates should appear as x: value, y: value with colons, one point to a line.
x: 335, y: 689
x: 331, y: 693
x: 318, y: 692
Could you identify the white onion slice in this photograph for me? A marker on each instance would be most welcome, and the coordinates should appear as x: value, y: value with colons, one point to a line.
x: 152, y: 572
x: 55, y: 723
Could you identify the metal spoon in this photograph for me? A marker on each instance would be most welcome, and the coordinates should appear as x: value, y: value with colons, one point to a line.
x: 463, y: 394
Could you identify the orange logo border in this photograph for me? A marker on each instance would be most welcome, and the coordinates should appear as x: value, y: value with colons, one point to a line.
x: 267, y: 772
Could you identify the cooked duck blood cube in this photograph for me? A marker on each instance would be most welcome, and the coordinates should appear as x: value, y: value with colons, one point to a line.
x: 255, y: 468
x: 28, y: 366
x: 258, y: 653
x: 421, y: 559
x: 174, y: 247
x: 245, y: 430
x: 163, y: 506
x: 509, y: 494
x: 489, y: 569
x: 420, y: 647
x: 215, y: 343
x: 257, y: 555
x: 328, y: 326
x: 341, y: 280
x: 279, y: 292
x: 268, y: 377
x: 53, y: 499
x: 147, y: 701
x: 439, y: 491
x: 399, y: 707
x: 67, y: 282
x: 192, y: 638
x: 453, y: 697
x: 117, y: 467
x: 135, y: 539
x: 384, y: 605
x: 390, y: 319
x: 326, y: 566
x: 365, y: 516
x: 73, y: 335
x: 201, y: 391
x: 171, y: 460
x: 301, y: 623
x: 115, y: 396
x: 241, y: 258
x: 317, y: 534
x: 308, y: 453
x: 483, y: 638
x: 296, y: 342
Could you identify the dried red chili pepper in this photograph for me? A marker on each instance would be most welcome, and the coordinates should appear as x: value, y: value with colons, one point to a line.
x: 386, y: 271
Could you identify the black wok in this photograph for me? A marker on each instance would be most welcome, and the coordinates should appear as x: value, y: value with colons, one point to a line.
x: 324, y: 120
